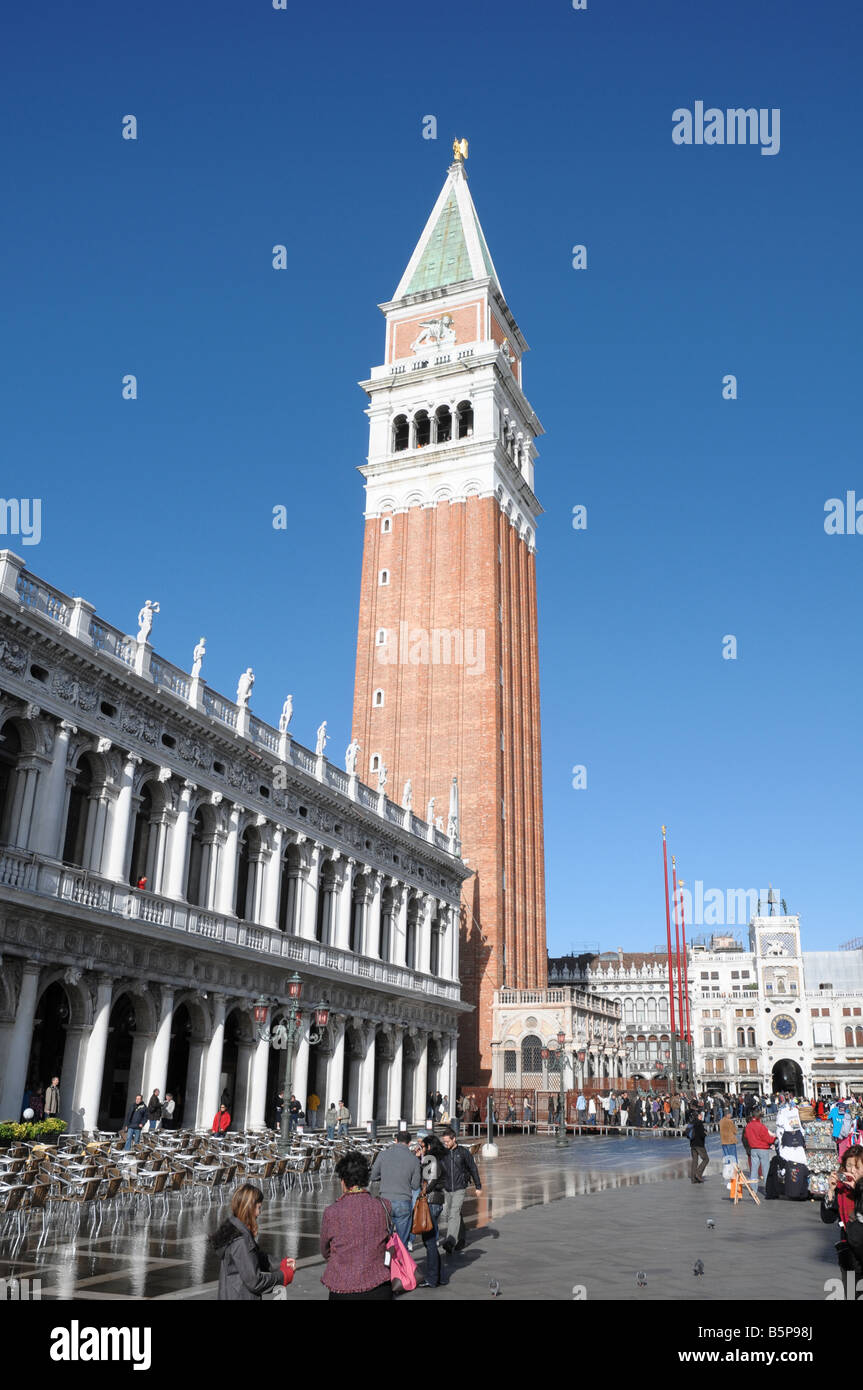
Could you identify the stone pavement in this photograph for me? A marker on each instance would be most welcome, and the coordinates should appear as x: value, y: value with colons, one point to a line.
x: 547, y: 1222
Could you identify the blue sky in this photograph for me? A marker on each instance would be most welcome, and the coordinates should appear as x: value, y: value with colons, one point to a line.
x: 705, y: 516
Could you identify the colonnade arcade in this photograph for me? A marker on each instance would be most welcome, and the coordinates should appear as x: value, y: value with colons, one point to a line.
x: 108, y: 1038
x: 72, y: 796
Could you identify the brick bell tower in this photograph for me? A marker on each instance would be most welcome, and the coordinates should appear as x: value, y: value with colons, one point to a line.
x: 447, y: 679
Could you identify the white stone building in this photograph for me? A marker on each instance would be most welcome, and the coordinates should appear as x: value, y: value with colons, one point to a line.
x: 528, y: 1020
x: 757, y: 1015
x: 166, y: 858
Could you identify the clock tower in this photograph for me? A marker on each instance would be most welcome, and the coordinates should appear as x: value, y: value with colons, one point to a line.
x: 447, y: 680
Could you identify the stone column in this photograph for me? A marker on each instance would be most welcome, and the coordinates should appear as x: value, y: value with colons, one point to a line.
x: 272, y: 877
x: 194, y: 1095
x: 344, y: 906
x: 226, y: 883
x: 90, y: 1093
x: 245, y: 1079
x: 449, y: 1069
x: 394, y: 1101
x: 21, y: 818
x: 157, y: 1075
x: 72, y: 1075
x: 142, y: 1049
x: 256, y: 1118
x: 310, y: 879
x: 118, y: 837
x: 179, y: 845
x: 300, y: 1078
x: 51, y: 798
x: 213, y: 1076
x: 372, y: 934
x: 452, y: 930
x: 15, y: 1073
x: 420, y: 1080
x: 367, y: 1077
x: 336, y: 1065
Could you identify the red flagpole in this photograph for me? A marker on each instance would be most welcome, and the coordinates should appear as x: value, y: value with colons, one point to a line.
x: 668, y: 929
x: 677, y: 940
x: 685, y: 970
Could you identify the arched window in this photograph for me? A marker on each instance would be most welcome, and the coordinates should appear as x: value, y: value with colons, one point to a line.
x: 651, y: 1009
x: 196, y: 885
x: 858, y: 1037
x: 10, y: 751
x: 849, y: 1037
x: 510, y: 1062
x: 141, y: 838
x: 412, y: 933
x: 629, y: 1010
x: 378, y: 699
x: 741, y: 1037
x: 242, y: 907
x: 381, y: 637
x: 386, y: 525
x: 663, y: 1009
x: 401, y: 433
x: 531, y: 1056
x: 383, y: 578
x: 76, y: 819
x: 443, y: 425
x: 375, y: 762
x: 422, y: 429
x: 464, y: 416
x: 717, y: 1037
x: 708, y: 1037
x: 639, y: 1010
x: 750, y: 1037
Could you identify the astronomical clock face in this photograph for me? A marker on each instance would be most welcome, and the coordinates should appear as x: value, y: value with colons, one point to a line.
x: 783, y: 1026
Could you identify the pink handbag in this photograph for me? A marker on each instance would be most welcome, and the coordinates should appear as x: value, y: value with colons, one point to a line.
x: 402, y: 1267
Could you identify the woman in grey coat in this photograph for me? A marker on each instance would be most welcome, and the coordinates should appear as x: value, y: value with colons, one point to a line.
x: 244, y: 1272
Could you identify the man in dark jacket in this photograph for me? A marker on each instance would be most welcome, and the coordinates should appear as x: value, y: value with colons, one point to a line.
x: 698, y: 1148
x: 459, y: 1171
x: 154, y: 1110
x: 294, y: 1111
x: 136, y: 1121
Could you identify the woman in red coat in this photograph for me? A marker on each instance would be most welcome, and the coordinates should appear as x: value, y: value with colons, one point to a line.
x: 222, y: 1120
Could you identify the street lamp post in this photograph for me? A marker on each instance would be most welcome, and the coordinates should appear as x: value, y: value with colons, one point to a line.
x: 547, y: 1054
x: 282, y: 1038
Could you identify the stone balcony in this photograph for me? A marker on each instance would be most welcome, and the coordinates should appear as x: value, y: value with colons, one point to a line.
x: 559, y: 994
x: 45, y: 880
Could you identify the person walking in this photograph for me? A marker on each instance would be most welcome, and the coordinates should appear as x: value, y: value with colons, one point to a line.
x: 580, y: 1107
x: 432, y: 1154
x: 459, y: 1171
x: 135, y: 1122
x: 331, y: 1119
x: 759, y: 1141
x: 244, y: 1270
x: 154, y: 1111
x: 698, y: 1148
x: 52, y: 1099
x: 591, y: 1111
x: 624, y: 1110
x: 355, y: 1231
x: 528, y: 1113
x: 313, y: 1103
x: 398, y: 1171
x: 728, y: 1137
x: 344, y: 1120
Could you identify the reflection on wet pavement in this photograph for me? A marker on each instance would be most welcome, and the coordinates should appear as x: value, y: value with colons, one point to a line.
x: 168, y: 1256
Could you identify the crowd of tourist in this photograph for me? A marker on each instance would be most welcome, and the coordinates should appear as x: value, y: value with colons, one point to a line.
x: 366, y: 1237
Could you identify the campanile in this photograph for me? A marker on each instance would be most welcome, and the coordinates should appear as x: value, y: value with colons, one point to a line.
x: 447, y: 679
